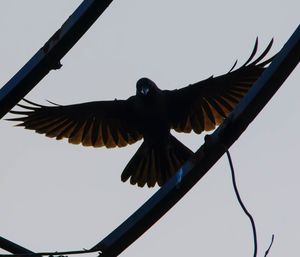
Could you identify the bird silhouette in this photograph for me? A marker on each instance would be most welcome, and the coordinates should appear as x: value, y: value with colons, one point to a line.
x: 148, y: 115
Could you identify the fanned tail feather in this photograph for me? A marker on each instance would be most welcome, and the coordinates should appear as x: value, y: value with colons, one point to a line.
x: 151, y: 165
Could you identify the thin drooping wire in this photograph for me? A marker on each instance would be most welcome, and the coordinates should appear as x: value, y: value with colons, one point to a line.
x: 244, y: 208
x: 241, y: 202
x: 267, y: 251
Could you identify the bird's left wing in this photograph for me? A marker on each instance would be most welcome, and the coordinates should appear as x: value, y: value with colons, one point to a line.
x: 102, y: 123
x: 204, y: 105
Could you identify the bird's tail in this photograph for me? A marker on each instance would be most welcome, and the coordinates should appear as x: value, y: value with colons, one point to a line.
x: 151, y: 165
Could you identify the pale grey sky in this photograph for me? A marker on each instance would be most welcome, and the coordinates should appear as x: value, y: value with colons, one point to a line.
x: 57, y: 196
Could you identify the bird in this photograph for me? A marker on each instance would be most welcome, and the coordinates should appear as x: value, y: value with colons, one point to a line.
x: 150, y: 115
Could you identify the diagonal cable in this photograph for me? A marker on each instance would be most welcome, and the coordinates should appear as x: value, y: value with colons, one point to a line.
x: 49, y: 56
x: 208, y: 154
x: 46, y: 59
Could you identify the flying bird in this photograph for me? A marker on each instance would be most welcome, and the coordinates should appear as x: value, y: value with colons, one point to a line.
x: 149, y: 115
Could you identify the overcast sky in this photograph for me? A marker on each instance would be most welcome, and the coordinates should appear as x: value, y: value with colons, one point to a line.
x: 57, y: 196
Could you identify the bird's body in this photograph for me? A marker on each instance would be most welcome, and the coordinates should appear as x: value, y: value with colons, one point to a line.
x: 161, y: 154
x: 150, y: 114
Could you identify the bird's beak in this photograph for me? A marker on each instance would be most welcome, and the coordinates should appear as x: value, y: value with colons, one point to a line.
x: 145, y: 90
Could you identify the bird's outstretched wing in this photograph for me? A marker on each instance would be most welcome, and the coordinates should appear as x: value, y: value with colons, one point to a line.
x: 103, y: 123
x: 205, y: 104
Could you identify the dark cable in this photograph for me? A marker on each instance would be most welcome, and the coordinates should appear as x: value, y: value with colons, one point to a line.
x: 267, y: 251
x: 51, y: 254
x: 241, y: 202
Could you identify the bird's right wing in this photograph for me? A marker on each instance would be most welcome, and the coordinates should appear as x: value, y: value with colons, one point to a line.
x: 204, y: 105
x: 103, y: 123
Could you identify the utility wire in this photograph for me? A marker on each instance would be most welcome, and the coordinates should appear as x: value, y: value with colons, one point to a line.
x: 248, y: 214
x: 236, y: 191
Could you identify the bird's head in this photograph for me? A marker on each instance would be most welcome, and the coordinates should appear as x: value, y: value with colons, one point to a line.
x: 146, y: 88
